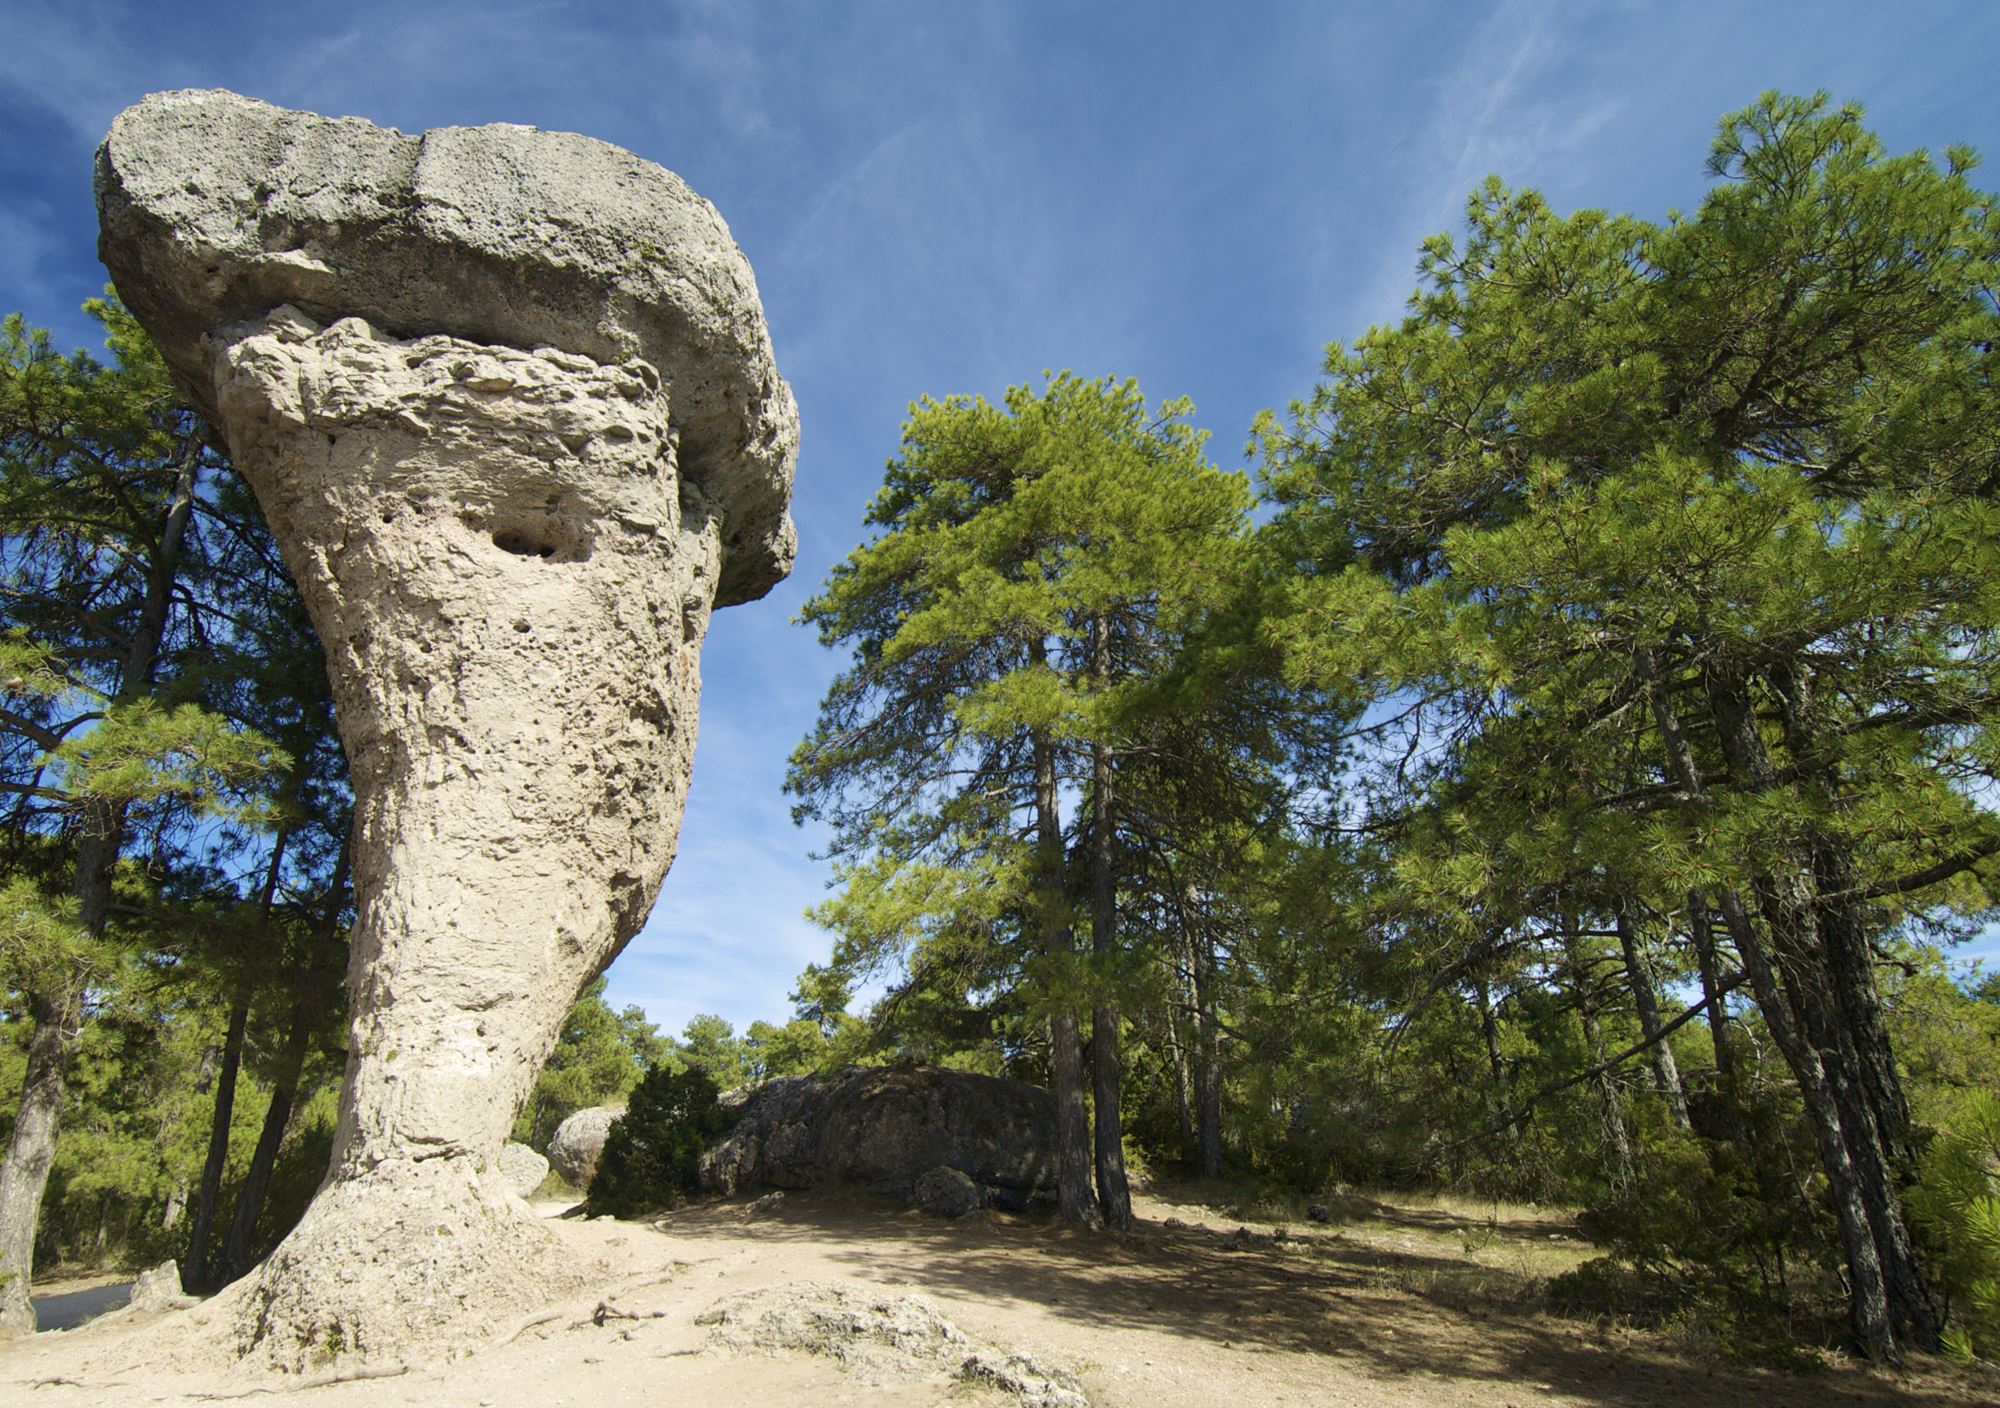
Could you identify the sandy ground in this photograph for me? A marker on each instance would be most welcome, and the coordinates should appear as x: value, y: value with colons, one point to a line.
x: 1403, y: 1306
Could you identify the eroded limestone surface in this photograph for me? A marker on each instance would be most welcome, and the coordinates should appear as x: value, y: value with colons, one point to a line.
x: 482, y: 484
x: 216, y: 208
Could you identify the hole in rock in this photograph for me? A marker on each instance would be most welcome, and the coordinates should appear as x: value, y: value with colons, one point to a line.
x: 523, y: 544
x: 533, y: 532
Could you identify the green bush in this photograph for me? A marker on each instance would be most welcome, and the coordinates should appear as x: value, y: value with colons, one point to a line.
x: 1721, y: 1233
x: 1956, y: 1206
x: 651, y: 1153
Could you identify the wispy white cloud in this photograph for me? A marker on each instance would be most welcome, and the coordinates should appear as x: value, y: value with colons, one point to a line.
x: 78, y: 63
x: 26, y: 246
x: 1507, y: 105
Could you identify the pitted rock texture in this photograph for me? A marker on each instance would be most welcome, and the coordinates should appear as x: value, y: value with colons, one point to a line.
x: 880, y: 1338
x: 216, y: 209
x: 507, y: 402
x: 886, y: 1129
x: 512, y: 597
x: 579, y: 1142
x: 512, y: 591
x: 947, y: 1192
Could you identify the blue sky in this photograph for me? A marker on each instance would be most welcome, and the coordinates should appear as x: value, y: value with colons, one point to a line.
x: 953, y: 196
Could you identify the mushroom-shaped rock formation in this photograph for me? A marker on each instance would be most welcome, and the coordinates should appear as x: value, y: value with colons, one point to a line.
x: 508, y: 402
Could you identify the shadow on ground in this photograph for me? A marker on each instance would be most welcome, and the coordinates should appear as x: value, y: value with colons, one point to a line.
x: 1316, y: 1293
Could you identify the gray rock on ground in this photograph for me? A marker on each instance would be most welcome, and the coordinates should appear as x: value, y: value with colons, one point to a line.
x: 881, y: 1338
x: 884, y: 1129
x: 160, y: 1289
x: 947, y: 1193
x: 579, y: 1141
x: 508, y: 403
x: 522, y: 1169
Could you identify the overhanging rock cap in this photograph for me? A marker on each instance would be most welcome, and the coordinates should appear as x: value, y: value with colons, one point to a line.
x: 215, y: 209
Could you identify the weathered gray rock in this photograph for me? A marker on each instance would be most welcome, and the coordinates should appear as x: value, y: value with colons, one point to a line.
x: 579, y: 1140
x: 880, y: 1338
x: 522, y: 1169
x: 885, y: 1129
x: 160, y: 1289
x: 946, y: 1192
x: 507, y: 403
x: 216, y: 208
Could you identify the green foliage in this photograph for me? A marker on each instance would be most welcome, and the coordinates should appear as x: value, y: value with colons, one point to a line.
x: 1956, y: 1204
x: 164, y: 694
x: 599, y: 1056
x: 650, y: 1156
x: 1672, y: 555
x: 710, y: 1044
x: 796, y: 1048
x: 141, y: 752
x: 1020, y: 629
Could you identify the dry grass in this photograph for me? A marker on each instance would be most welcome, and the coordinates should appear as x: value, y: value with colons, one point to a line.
x: 1453, y: 1249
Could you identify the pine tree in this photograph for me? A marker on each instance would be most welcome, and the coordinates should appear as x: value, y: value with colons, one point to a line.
x: 1679, y: 542
x: 1037, y: 561
x: 100, y: 740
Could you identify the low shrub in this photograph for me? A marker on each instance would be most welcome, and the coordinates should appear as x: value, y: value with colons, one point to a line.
x: 652, y: 1153
x: 1956, y: 1207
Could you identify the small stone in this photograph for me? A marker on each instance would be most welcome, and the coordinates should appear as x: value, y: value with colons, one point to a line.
x: 522, y: 1169
x: 946, y: 1192
x: 159, y: 1289
x: 579, y: 1141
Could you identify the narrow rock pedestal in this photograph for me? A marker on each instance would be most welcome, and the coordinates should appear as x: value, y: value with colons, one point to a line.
x: 512, y: 596
x: 511, y: 564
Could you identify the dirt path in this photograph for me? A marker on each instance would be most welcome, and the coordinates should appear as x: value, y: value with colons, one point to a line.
x: 1183, y: 1313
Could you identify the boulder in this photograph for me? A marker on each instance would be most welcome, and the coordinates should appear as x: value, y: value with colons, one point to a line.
x: 885, y: 1129
x: 160, y: 1289
x: 578, y: 1141
x: 946, y: 1192
x: 522, y: 1169
x: 879, y: 1338
x: 507, y: 402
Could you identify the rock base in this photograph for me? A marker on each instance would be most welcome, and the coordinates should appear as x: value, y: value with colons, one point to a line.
x: 426, y: 1254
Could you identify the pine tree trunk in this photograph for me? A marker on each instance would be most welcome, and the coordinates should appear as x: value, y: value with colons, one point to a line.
x: 1610, y: 1104
x: 1114, y: 1193
x: 1183, y: 1089
x: 1074, y: 1194
x: 1503, y: 1089
x: 1701, y: 930
x: 1208, y: 1053
x: 1898, y: 1313
x: 196, y: 1274
x: 237, y: 1247
x: 1869, y: 1318
x: 1887, y: 1303
x: 32, y: 1149
x: 1645, y: 998
x: 1842, y: 927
